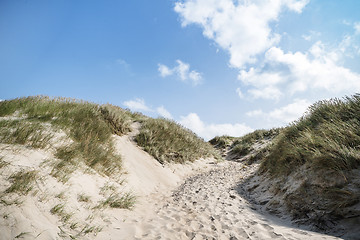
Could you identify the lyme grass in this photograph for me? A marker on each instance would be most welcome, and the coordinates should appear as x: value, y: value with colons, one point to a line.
x: 167, y: 141
x: 22, y: 182
x: 23, y: 132
x: 89, y: 126
x: 321, y: 151
x: 327, y: 137
x: 59, y: 210
x: 116, y: 200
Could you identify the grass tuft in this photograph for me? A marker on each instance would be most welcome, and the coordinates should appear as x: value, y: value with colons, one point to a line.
x: 327, y: 137
x: 167, y: 141
x: 22, y: 182
x: 23, y: 132
x: 116, y: 200
x: 89, y: 126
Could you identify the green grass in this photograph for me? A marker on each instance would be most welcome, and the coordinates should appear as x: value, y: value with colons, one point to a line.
x: 23, y: 132
x: 327, y: 137
x: 83, y: 198
x: 22, y: 182
x: 116, y: 200
x: 167, y: 141
x: 89, y: 126
x: 221, y: 142
x: 59, y: 210
x: 241, y: 146
x: 321, y: 152
x: 2, y: 162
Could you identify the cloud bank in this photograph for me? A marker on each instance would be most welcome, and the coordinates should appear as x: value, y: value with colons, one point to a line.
x: 208, y: 131
x: 244, y: 30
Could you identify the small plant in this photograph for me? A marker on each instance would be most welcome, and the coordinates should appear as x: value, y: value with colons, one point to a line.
x: 3, y: 163
x: 59, y: 210
x: 22, y: 234
x: 22, y: 182
x: 24, y: 132
x: 125, y: 201
x: 83, y: 198
x: 61, y: 195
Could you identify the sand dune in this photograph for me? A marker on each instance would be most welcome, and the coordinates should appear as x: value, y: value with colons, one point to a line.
x: 207, y: 205
x: 199, y: 200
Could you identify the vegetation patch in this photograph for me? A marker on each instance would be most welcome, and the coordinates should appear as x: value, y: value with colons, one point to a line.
x: 59, y: 210
x: 23, y: 132
x: 114, y: 199
x: 22, y: 182
x: 321, y: 151
x: 167, y: 141
x: 89, y: 126
x: 327, y: 137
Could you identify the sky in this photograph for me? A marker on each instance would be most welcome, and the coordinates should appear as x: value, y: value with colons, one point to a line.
x: 217, y: 67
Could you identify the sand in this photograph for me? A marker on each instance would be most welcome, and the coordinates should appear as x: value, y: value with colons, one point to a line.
x: 199, y: 200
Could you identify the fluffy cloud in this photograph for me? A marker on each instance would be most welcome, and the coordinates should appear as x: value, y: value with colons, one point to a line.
x: 242, y: 28
x: 235, y: 24
x: 284, y: 115
x: 357, y: 27
x: 208, y: 131
x: 240, y: 93
x: 164, y: 70
x: 316, y: 69
x: 163, y: 112
x: 137, y: 105
x: 182, y: 70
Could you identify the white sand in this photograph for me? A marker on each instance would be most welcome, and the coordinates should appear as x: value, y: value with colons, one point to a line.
x: 170, y: 204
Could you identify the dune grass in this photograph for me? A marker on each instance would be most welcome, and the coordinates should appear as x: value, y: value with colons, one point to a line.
x: 321, y: 153
x: 221, y: 142
x: 167, y: 141
x: 22, y: 182
x: 23, y: 132
x: 89, y: 126
x: 326, y: 138
x: 244, y: 145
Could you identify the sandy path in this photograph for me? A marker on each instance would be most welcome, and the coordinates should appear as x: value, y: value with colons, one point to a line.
x: 208, y: 206
x: 205, y: 206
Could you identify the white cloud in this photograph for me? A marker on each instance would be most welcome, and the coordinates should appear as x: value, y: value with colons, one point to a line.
x: 163, y: 112
x: 255, y: 113
x: 357, y: 27
x: 290, y: 112
x: 242, y: 28
x: 264, y: 83
x: 235, y: 24
x: 290, y: 73
x: 316, y: 69
x: 123, y: 63
x: 284, y: 115
x: 240, y: 93
x: 208, y: 131
x: 137, y: 105
x: 270, y: 92
x: 311, y: 35
x: 164, y: 70
x: 182, y: 70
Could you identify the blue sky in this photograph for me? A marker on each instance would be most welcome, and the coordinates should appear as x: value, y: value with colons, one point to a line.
x: 215, y: 66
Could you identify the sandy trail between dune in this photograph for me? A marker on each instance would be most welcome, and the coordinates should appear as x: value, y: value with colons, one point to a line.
x: 207, y: 205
